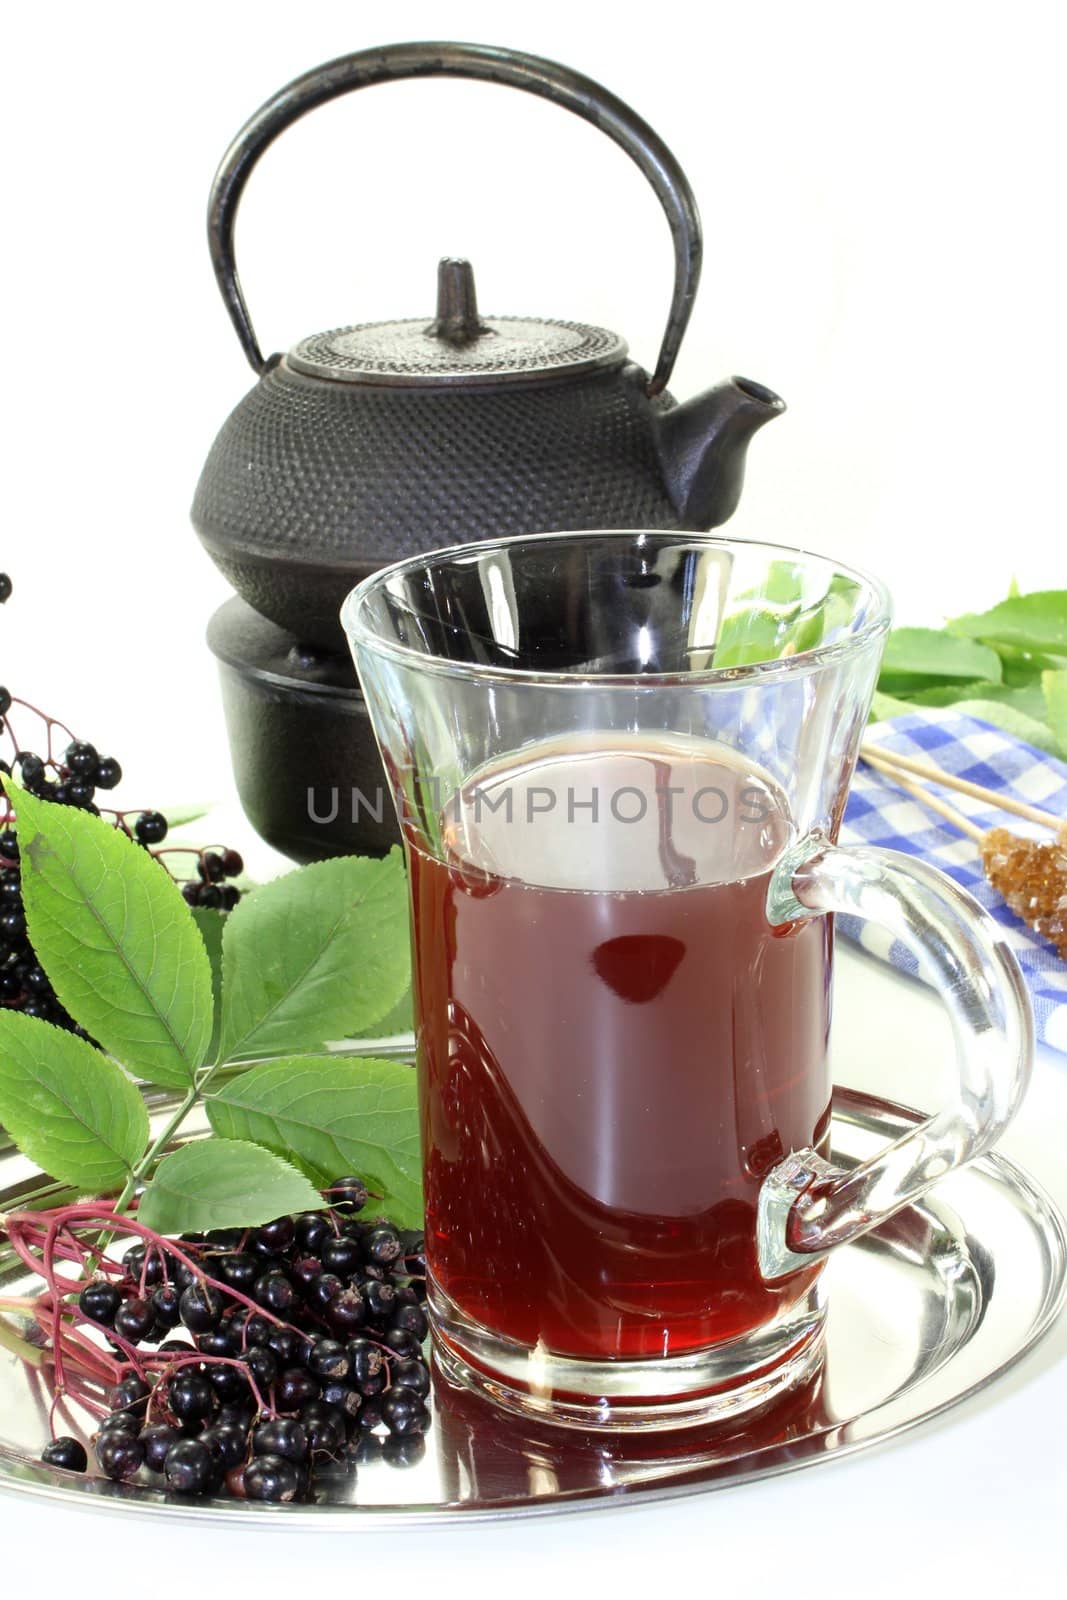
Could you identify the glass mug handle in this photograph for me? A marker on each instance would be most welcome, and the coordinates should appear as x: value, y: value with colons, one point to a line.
x: 807, y: 1206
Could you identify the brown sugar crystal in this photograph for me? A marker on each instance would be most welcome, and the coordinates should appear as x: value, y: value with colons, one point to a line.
x: 1031, y: 877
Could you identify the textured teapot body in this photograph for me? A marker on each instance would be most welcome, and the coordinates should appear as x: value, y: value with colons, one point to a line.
x: 384, y: 440
x: 310, y: 484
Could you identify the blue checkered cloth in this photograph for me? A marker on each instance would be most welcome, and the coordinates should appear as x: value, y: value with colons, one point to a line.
x: 879, y: 813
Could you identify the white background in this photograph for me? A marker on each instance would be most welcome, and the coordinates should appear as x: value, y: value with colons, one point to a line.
x: 882, y: 192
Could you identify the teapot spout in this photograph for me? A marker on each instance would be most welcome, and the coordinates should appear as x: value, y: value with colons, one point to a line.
x: 702, y: 446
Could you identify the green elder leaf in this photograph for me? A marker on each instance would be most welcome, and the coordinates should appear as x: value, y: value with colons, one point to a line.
x: 1027, y: 698
x: 317, y: 955
x: 67, y: 1107
x: 116, y: 939
x: 886, y: 706
x: 333, y: 1116
x: 211, y: 923
x: 223, y: 1183
x: 1034, y: 622
x: 1024, y: 667
x: 916, y: 655
x: 1054, y: 688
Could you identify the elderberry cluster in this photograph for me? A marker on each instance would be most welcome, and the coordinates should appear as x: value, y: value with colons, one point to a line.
x: 258, y: 1403
x: 78, y: 777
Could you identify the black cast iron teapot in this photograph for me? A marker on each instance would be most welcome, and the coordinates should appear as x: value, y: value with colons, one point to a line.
x: 382, y: 440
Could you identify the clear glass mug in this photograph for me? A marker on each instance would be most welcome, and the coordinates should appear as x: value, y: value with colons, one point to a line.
x: 620, y: 762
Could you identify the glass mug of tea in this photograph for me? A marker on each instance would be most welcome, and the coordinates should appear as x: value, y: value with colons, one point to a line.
x: 620, y: 762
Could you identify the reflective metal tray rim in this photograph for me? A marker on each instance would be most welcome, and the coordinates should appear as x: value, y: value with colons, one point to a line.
x: 1017, y: 1190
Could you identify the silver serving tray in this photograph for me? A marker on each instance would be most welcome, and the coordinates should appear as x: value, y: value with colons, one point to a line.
x: 924, y: 1312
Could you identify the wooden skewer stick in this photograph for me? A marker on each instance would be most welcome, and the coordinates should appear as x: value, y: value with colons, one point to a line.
x: 926, y: 769
x: 931, y: 801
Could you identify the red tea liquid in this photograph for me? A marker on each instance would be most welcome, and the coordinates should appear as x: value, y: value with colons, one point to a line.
x: 614, y: 1046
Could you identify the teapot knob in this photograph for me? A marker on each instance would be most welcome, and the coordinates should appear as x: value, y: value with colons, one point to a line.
x: 457, y: 318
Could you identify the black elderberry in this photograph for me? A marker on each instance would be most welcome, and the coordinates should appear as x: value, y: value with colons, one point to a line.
x: 341, y: 1397
x: 134, y: 1320
x: 366, y: 1360
x: 129, y: 1395
x: 229, y: 896
x: 6, y: 587
x: 401, y: 1342
x: 182, y: 1276
x: 210, y: 867
x: 108, y: 773
x: 142, y: 1267
x: 99, y: 1301
x: 374, y: 1385
x: 411, y: 1317
x: 312, y: 1229
x: 294, y: 1389
x: 276, y: 1235
x: 150, y: 828
x: 120, y: 1454
x: 322, y: 1290
x: 237, y: 1268
x: 286, y: 1347
x: 404, y: 1412
x: 122, y: 1422
x: 9, y: 844
x: 190, y: 1396
x: 32, y: 769
x: 236, y: 1414
x: 201, y: 1307
x: 219, y: 1238
x: 232, y: 863
x: 403, y: 1449
x: 347, y: 1312
x: 328, y: 1359
x: 413, y: 1375
x: 188, y: 1468
x: 324, y: 1429
x: 81, y: 758
x: 191, y: 893
x: 227, y: 1444
x: 157, y: 1440
x: 216, y: 1342
x: 262, y: 1365
x: 5, y: 701
x: 65, y: 1452
x: 342, y: 1256
x: 304, y: 1271
x: 166, y: 1305
x: 80, y: 794
x: 282, y: 1436
x: 248, y: 1329
x: 275, y: 1293
x: 347, y: 1194
x: 12, y: 925
x: 380, y: 1298
x: 382, y: 1245
x: 210, y: 896
x: 370, y: 1414
x: 228, y: 1382
x: 271, y: 1478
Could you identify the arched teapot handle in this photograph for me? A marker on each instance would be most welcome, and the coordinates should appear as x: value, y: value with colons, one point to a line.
x: 389, y: 63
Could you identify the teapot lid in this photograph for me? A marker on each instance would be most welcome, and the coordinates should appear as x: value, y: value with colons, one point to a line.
x: 458, y: 346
